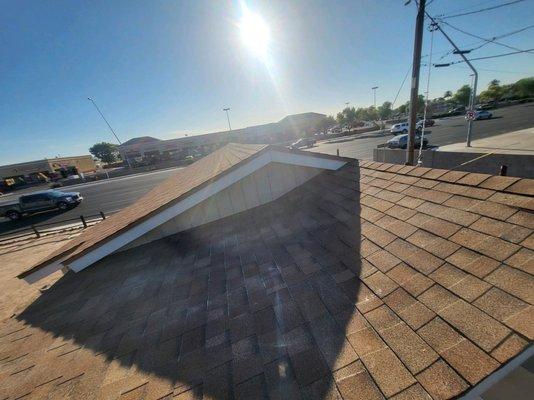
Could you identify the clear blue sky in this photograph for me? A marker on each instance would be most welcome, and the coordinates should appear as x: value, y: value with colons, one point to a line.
x: 166, y: 68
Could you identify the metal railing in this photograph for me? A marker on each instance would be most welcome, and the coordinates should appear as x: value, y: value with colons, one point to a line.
x: 39, y: 229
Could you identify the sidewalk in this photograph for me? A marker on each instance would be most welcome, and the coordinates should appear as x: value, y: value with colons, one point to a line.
x: 518, y: 142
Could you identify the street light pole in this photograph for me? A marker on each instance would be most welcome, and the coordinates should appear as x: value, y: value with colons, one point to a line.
x: 228, y: 117
x: 473, y: 95
x: 374, y: 94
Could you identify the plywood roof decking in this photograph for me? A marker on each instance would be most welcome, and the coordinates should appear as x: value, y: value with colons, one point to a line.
x: 182, y: 183
x: 377, y: 280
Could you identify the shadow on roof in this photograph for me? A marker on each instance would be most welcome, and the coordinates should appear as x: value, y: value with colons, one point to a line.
x: 260, y: 304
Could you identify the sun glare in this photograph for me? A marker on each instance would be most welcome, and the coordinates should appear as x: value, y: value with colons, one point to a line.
x: 255, y: 33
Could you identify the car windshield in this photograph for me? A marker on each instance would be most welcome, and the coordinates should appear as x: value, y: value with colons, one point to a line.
x: 55, y: 193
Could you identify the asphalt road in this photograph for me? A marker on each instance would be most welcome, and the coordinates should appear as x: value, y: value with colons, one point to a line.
x: 106, y: 196
x: 115, y: 194
x: 445, y: 131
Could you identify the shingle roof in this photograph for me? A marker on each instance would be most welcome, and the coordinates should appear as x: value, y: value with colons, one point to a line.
x: 373, y: 281
x: 181, y: 184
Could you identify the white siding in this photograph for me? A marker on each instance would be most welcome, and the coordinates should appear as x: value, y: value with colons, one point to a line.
x: 265, y: 185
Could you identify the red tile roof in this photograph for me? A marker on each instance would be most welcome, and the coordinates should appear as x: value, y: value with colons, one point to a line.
x: 354, y: 284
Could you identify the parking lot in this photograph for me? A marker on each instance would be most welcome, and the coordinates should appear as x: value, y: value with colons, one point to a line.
x: 446, y: 131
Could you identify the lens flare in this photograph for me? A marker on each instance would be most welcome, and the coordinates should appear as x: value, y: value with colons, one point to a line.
x: 255, y: 33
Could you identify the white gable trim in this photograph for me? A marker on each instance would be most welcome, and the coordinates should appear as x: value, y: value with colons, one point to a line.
x: 190, y: 201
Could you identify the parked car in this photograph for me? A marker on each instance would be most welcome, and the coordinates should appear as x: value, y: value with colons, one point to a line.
x: 482, y: 114
x: 403, y: 127
x: 40, y: 201
x: 457, y: 111
x: 304, y: 142
x: 428, y: 122
x: 401, y: 142
x: 487, y: 106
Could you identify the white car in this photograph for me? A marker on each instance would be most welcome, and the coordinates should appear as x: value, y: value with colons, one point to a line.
x: 481, y: 114
x: 404, y: 127
x: 400, y: 128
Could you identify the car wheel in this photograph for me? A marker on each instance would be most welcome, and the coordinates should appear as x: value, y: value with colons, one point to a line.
x: 404, y: 131
x: 62, y: 206
x: 13, y: 215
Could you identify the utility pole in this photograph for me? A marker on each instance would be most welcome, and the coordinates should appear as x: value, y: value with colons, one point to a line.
x: 416, y: 66
x: 374, y: 94
x: 472, y: 97
x: 228, y: 117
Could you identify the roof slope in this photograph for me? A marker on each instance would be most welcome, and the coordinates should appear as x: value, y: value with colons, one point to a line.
x: 378, y: 280
x: 179, y: 185
x: 182, y: 182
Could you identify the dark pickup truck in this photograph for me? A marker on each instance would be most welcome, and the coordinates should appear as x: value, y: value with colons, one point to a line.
x: 40, y: 201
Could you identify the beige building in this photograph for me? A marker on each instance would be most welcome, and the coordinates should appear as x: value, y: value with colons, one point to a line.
x: 287, y: 129
x: 39, y: 170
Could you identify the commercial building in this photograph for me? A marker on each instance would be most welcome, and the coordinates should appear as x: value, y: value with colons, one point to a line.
x: 287, y: 129
x: 41, y: 170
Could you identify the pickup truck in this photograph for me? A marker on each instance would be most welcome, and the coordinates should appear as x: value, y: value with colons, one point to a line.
x: 40, y: 201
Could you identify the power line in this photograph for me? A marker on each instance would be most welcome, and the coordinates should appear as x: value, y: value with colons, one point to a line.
x: 493, y: 70
x: 481, y: 10
x: 514, y: 32
x: 492, y: 40
x: 402, y: 84
x: 469, y: 7
x: 495, y: 56
x: 485, y: 43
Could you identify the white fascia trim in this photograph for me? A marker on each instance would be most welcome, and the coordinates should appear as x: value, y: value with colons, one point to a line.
x: 494, y: 378
x: 305, y: 160
x: 197, y: 197
x: 44, y: 272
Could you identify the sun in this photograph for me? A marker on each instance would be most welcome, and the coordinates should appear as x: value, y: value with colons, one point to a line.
x: 255, y: 33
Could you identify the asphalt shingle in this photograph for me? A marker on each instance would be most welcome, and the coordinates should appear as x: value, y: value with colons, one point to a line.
x: 367, y: 282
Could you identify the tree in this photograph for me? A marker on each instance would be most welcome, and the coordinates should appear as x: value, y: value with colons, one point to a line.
x: 384, y: 111
x: 524, y: 87
x: 347, y: 116
x: 462, y: 95
x: 325, y: 123
x: 494, y: 92
x: 402, y: 109
x: 105, y: 152
x: 447, y: 94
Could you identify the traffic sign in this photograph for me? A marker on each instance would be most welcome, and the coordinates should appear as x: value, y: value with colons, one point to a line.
x: 470, y: 115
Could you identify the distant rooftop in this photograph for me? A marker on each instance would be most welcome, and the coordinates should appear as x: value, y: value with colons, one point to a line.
x: 290, y: 121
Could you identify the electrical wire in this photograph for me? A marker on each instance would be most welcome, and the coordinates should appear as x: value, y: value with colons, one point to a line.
x: 492, y: 40
x: 481, y: 3
x: 400, y: 88
x: 495, y: 56
x: 481, y: 10
x: 493, y: 70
